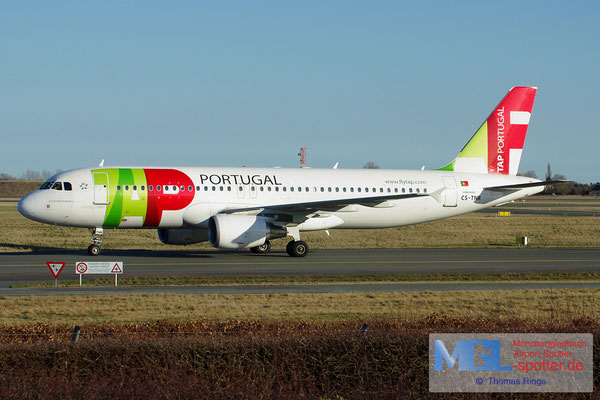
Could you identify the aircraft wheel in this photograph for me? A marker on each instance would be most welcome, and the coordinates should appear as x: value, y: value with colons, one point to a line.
x: 262, y: 249
x: 297, y: 248
x: 94, y: 250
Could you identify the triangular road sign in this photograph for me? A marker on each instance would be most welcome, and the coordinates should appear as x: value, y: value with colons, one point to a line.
x: 116, y: 269
x: 55, y: 267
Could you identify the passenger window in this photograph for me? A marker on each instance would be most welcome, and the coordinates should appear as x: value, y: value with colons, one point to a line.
x: 337, y: 189
x: 197, y: 188
x: 344, y: 189
x: 206, y: 188
x: 366, y: 190
x: 299, y: 188
x: 143, y: 188
x: 306, y: 189
x: 322, y: 189
x: 291, y: 188
x: 395, y: 190
x: 418, y: 190
x: 126, y: 187
x: 425, y: 190
x: 240, y: 189
x: 352, y: 190
x: 403, y: 190
x: 358, y: 190
x: 158, y: 188
x: 410, y: 190
x: 389, y: 190
x: 229, y: 188
x: 329, y: 189
x: 252, y: 188
x: 277, y: 188
x: 134, y: 187
x: 284, y: 188
x: 381, y: 190
x: 214, y: 188
x: 262, y: 188
x: 221, y: 188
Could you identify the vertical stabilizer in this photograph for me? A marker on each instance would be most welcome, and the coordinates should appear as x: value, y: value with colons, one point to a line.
x: 497, y: 145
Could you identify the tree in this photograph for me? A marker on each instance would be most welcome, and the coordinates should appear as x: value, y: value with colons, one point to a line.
x: 371, y: 165
x: 7, y: 177
x: 530, y: 174
x: 31, y: 175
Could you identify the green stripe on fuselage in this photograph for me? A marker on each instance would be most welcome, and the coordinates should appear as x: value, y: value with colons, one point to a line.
x: 125, y: 202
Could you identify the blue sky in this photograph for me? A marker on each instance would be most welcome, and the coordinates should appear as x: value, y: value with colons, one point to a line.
x: 403, y: 84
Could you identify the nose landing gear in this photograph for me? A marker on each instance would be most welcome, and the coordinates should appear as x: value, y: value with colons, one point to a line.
x: 94, y: 248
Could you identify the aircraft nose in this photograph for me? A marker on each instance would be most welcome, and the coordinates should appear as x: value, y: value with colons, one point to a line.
x: 28, y: 206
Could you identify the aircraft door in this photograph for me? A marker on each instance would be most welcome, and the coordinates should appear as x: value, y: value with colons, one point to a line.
x: 101, y: 188
x: 450, y: 195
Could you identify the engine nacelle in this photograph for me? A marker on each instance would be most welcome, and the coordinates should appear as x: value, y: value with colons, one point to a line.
x: 227, y: 231
x: 182, y: 236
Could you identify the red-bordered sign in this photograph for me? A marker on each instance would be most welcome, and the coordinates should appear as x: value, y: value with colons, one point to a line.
x: 116, y: 269
x: 55, y: 267
x: 81, y: 268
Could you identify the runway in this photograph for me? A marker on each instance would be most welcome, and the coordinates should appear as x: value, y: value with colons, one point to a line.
x: 27, y: 267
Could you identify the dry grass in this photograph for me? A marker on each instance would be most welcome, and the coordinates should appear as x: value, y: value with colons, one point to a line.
x: 529, y: 305
x: 472, y: 230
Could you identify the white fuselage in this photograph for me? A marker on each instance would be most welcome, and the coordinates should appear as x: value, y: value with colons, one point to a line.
x: 209, y: 191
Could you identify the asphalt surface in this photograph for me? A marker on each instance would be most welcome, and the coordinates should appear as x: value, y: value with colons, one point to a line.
x: 27, y: 267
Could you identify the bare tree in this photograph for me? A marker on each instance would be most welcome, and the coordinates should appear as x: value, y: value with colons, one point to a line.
x: 530, y: 174
x: 31, y: 175
x: 371, y: 165
x: 7, y: 177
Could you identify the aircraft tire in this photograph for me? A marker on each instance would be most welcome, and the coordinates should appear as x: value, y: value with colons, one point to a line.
x: 94, y: 250
x: 297, y: 248
x: 262, y: 249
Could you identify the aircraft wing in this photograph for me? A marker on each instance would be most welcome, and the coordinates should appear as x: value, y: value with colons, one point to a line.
x: 312, y: 206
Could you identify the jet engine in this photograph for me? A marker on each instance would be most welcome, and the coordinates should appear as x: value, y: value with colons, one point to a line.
x: 229, y: 231
x: 182, y: 236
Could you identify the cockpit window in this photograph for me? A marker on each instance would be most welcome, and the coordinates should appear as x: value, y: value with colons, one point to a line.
x: 57, y: 186
x: 46, y: 185
x: 67, y: 186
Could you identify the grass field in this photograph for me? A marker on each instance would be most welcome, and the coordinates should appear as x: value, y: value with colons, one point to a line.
x: 536, y: 306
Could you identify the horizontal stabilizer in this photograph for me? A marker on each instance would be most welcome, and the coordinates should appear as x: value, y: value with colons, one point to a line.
x: 518, y: 186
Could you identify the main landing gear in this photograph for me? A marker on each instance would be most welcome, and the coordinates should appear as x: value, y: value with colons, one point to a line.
x: 295, y: 248
x: 94, y: 248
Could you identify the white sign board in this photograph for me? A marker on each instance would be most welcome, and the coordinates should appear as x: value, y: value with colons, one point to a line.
x: 99, y: 267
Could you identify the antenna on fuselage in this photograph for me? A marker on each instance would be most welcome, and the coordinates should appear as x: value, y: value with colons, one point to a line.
x: 302, y: 155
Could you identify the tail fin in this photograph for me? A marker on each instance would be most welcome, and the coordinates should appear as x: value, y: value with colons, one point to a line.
x: 497, y: 145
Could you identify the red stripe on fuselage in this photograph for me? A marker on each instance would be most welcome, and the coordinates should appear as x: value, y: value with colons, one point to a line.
x: 158, y: 201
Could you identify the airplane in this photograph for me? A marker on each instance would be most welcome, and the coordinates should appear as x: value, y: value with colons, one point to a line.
x: 239, y: 208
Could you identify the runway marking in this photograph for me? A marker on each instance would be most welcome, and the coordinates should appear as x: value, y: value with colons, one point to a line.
x: 340, y: 262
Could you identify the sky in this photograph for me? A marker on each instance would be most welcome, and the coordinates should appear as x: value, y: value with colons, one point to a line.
x: 190, y: 83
